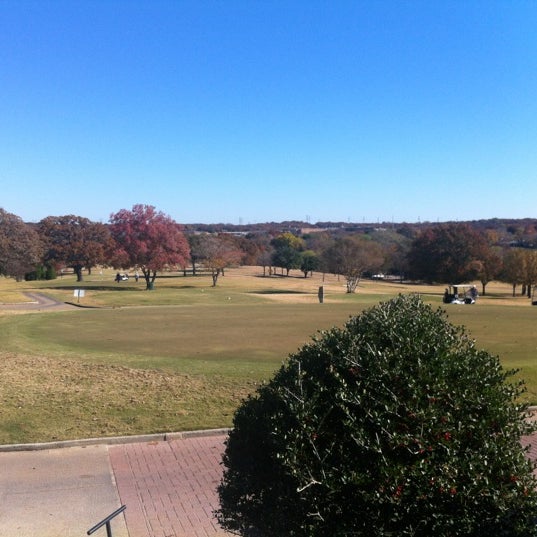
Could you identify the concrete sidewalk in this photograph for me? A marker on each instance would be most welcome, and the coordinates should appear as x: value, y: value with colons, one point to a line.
x: 57, y: 492
x: 168, y: 486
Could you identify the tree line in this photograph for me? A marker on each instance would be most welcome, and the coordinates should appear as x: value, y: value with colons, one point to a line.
x: 151, y: 242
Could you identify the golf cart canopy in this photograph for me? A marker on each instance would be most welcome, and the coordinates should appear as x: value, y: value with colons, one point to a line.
x: 461, y: 293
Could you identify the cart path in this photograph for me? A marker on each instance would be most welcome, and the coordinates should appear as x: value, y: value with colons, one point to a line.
x: 38, y: 302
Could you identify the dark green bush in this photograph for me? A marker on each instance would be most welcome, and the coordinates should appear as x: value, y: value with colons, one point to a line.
x: 50, y: 273
x: 395, y: 425
x: 37, y: 274
x: 41, y: 272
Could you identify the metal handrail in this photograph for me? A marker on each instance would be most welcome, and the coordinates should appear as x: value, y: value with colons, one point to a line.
x: 107, y: 522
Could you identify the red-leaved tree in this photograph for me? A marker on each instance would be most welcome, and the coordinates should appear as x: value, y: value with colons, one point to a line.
x: 148, y: 240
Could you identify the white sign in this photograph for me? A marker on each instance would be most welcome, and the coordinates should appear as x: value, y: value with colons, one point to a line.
x: 79, y: 293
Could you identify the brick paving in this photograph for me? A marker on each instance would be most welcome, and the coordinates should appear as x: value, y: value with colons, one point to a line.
x: 169, y: 487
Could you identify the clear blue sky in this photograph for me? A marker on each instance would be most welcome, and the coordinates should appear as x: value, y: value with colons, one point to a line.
x: 253, y: 111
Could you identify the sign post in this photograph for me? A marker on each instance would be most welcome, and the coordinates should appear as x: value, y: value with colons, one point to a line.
x: 79, y: 293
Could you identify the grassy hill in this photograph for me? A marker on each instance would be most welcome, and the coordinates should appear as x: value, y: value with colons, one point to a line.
x: 182, y: 357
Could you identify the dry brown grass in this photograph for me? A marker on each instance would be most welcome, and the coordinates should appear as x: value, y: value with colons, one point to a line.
x: 47, y: 399
x: 12, y: 292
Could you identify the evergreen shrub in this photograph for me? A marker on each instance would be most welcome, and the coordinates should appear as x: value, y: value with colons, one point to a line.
x: 41, y: 272
x: 395, y: 425
x: 50, y: 273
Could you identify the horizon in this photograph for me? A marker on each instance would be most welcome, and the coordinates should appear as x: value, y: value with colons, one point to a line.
x: 245, y: 113
x: 330, y: 223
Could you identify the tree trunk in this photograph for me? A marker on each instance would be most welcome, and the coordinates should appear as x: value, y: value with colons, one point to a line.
x: 352, y: 283
x: 215, y: 273
x: 149, y: 279
x: 78, y: 272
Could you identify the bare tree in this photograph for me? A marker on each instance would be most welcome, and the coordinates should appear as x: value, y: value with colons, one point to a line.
x: 218, y: 253
x: 351, y: 257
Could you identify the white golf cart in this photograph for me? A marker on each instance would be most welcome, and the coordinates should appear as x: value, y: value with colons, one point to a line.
x: 460, y: 294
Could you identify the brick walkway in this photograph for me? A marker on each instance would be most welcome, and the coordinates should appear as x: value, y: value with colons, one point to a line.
x: 169, y: 487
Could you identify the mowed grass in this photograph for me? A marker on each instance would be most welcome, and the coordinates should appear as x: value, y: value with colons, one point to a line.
x: 183, y: 356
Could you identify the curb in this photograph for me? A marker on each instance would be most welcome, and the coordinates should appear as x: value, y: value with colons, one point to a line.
x: 113, y: 440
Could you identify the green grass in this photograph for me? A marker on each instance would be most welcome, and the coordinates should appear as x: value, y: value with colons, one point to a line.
x: 507, y: 331
x: 183, y: 356
x: 230, y: 339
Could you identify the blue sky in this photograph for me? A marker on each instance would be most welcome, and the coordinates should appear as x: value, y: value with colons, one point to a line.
x: 254, y: 111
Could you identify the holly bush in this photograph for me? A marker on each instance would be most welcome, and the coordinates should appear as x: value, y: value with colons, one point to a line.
x: 395, y: 425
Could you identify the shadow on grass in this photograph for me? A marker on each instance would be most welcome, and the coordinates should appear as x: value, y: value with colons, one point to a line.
x: 90, y: 287
x: 281, y: 276
x: 199, y: 274
x: 278, y: 292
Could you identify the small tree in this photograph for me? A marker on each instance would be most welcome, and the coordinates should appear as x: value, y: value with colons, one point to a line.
x: 351, y: 257
x: 265, y: 260
x: 513, y: 267
x: 395, y: 425
x: 196, y: 253
x: 529, y: 270
x: 287, y: 251
x: 309, y: 262
x: 217, y: 253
